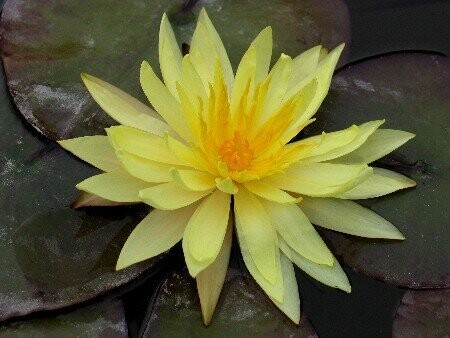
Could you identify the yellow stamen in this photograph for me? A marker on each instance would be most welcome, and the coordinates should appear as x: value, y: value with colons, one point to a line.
x: 236, y: 153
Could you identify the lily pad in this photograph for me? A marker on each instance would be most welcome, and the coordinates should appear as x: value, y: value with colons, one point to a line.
x: 105, y: 319
x: 52, y: 256
x: 412, y: 92
x: 47, y: 44
x: 244, y: 310
x: 423, y: 314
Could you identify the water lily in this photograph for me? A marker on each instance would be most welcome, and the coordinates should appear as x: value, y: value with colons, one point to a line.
x: 216, y: 155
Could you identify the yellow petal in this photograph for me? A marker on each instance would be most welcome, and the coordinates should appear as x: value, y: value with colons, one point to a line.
x: 327, y: 142
x: 295, y: 228
x: 191, y: 80
x: 226, y: 185
x: 183, y: 153
x: 95, y: 150
x: 332, y: 275
x: 124, y: 108
x: 323, y: 74
x: 320, y: 179
x: 270, y: 192
x: 348, y: 217
x: 207, y: 227
x: 381, y: 182
x: 193, y: 179
x: 117, y: 186
x: 170, y: 196
x: 86, y: 199
x: 253, y: 67
x: 210, y: 280
x: 144, y: 169
x: 259, y: 234
x: 377, y: 145
x: 329, y: 152
x: 280, y: 75
x: 141, y: 143
x: 275, y: 291
x: 291, y: 303
x: 163, y: 101
x: 303, y: 65
x: 155, y: 234
x: 169, y: 55
x: 219, y: 48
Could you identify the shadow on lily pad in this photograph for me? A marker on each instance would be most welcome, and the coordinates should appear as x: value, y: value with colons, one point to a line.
x: 104, y: 319
x: 244, y: 310
x: 47, y: 44
x: 58, y: 257
x: 423, y: 314
x: 412, y: 92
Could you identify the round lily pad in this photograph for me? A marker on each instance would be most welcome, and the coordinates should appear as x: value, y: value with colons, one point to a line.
x: 52, y: 256
x: 423, y: 314
x: 47, y: 44
x: 104, y: 319
x: 244, y: 310
x: 412, y: 92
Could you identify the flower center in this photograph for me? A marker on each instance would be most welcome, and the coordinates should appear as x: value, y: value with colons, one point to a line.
x: 236, y: 153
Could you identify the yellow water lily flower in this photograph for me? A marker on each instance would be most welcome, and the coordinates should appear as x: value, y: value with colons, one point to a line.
x: 215, y: 157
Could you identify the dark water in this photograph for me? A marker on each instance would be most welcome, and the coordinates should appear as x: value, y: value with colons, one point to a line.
x: 378, y: 26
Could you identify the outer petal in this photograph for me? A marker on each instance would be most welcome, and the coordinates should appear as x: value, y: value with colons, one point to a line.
x: 327, y: 151
x: 86, y: 199
x: 348, y: 217
x: 95, y: 150
x: 260, y: 236
x: 124, y: 108
x: 170, y: 196
x: 210, y: 280
x: 141, y: 143
x: 379, y: 144
x: 157, y: 233
x: 275, y: 291
x: 117, y: 186
x: 163, y: 101
x: 207, y: 226
x: 216, y: 43
x: 320, y: 179
x: 146, y: 170
x: 253, y: 67
x: 323, y: 74
x: 169, y: 55
x: 226, y: 185
x: 280, y: 76
x: 304, y: 65
x: 332, y: 276
x: 382, y: 182
x: 291, y: 303
x: 325, y: 143
x: 270, y: 192
x: 192, y: 179
x: 295, y: 228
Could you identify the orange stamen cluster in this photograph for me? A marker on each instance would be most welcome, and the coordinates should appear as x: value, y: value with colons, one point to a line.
x: 236, y: 153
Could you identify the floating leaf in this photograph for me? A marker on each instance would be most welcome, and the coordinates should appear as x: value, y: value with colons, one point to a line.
x: 47, y: 44
x: 412, y: 92
x: 56, y: 257
x: 243, y: 311
x: 423, y: 314
x: 105, y: 319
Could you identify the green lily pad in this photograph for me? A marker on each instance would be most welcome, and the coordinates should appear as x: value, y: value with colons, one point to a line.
x: 412, y: 92
x: 423, y: 314
x: 52, y: 256
x: 47, y: 44
x: 244, y: 310
x: 104, y: 319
